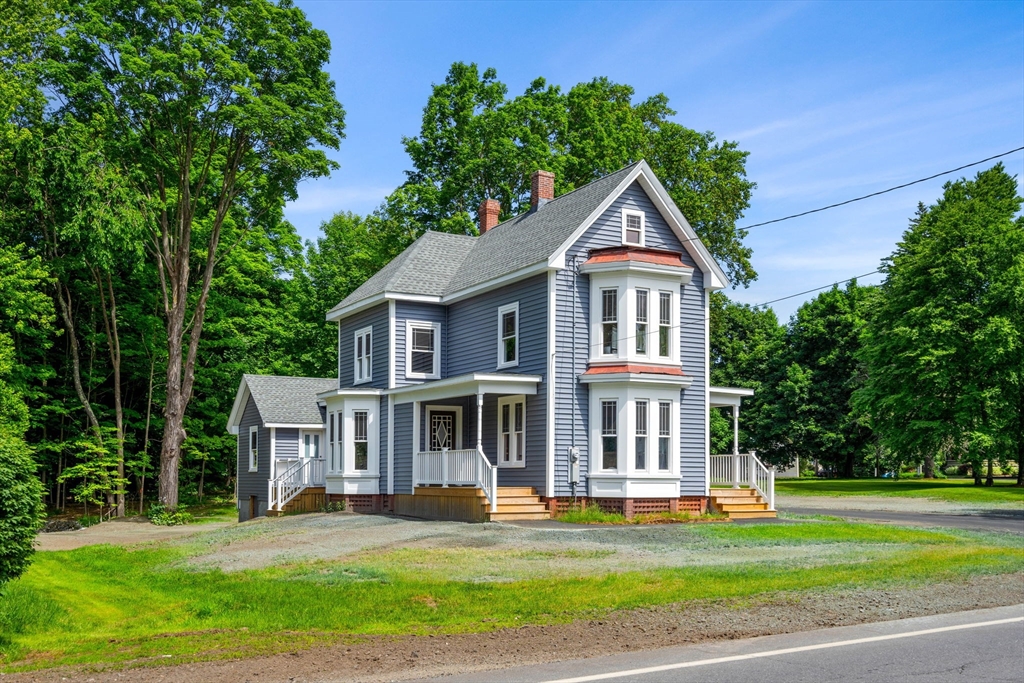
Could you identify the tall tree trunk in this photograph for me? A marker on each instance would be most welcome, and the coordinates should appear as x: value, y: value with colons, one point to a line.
x: 989, y: 481
x: 76, y: 363
x: 109, y: 311
x: 145, y: 438
x: 929, y: 467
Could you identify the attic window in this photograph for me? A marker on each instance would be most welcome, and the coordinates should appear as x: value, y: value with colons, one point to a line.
x: 633, y: 227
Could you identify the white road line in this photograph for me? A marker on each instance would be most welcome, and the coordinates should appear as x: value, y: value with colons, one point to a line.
x: 775, y: 653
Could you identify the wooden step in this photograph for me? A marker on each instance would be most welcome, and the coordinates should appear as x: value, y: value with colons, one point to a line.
x: 733, y: 492
x: 750, y: 507
x: 517, y: 500
x: 516, y: 516
x: 761, y: 514
x: 530, y: 507
x: 516, y: 491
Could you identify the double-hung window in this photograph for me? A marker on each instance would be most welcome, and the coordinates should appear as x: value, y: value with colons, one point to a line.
x: 512, y: 431
x: 664, y: 434
x: 423, y: 360
x: 332, y: 442
x: 664, y: 324
x: 633, y: 227
x: 363, y: 353
x: 254, y: 442
x: 610, y: 321
x: 609, y: 435
x: 508, y: 335
x: 641, y: 322
x: 360, y: 434
x: 641, y: 435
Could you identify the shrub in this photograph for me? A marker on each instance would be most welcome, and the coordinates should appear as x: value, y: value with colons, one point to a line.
x: 161, y: 516
x: 21, y: 506
x: 333, y: 506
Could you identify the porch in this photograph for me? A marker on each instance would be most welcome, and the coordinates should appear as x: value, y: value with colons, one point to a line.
x: 739, y: 484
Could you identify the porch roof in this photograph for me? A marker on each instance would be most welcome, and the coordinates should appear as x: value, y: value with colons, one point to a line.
x: 467, y: 385
x: 722, y: 397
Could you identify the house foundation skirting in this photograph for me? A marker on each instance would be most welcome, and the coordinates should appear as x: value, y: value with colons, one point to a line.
x: 366, y: 503
x: 455, y: 504
x: 632, y: 506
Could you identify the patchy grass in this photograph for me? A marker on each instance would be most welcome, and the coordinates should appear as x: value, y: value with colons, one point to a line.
x: 950, y: 490
x: 594, y: 515
x: 106, y: 604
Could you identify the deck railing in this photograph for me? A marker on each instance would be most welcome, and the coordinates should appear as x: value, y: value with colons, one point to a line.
x: 300, y: 474
x: 463, y: 467
x: 744, y: 469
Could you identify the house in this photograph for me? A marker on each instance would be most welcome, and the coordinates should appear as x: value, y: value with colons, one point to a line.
x: 560, y: 355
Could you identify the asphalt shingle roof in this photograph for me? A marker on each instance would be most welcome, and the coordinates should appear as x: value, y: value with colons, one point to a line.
x: 288, y: 400
x: 440, y: 263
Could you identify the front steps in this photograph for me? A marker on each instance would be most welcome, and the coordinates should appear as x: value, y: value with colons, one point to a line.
x: 741, y: 504
x: 517, y: 503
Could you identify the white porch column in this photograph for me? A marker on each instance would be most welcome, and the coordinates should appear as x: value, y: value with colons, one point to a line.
x: 735, y: 429
x: 415, y: 444
x: 480, y: 423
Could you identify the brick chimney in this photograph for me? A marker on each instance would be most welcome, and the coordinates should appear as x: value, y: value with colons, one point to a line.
x: 488, y: 214
x: 542, y: 188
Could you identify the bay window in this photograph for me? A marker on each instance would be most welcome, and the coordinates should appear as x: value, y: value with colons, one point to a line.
x: 360, y: 437
x: 610, y: 321
x: 664, y: 434
x: 641, y: 435
x: 664, y: 324
x: 641, y: 322
x: 609, y: 435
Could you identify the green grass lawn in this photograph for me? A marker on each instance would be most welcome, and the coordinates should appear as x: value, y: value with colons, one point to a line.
x: 106, y: 604
x: 950, y: 490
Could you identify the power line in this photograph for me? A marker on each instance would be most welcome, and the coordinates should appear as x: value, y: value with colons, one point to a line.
x: 700, y: 320
x: 875, y: 194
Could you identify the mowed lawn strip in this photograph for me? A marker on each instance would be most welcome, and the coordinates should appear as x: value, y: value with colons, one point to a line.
x: 106, y: 605
x: 950, y: 490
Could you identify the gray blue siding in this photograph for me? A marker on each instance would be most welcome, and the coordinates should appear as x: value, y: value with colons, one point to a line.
x: 286, y: 443
x: 573, y: 339
x: 403, y: 448
x: 252, y: 483
x: 473, y: 339
x: 377, y: 317
x: 408, y: 310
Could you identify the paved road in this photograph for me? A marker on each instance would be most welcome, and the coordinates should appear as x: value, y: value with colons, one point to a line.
x: 995, y: 520
x: 966, y: 646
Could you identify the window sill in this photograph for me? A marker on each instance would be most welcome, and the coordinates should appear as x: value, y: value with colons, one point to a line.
x: 410, y: 375
x: 505, y: 366
x: 251, y: 470
x: 362, y: 381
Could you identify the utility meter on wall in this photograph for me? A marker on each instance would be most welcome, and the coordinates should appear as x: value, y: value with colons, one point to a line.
x: 574, y: 465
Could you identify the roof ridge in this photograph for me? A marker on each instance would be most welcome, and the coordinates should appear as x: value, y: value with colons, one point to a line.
x: 257, y: 374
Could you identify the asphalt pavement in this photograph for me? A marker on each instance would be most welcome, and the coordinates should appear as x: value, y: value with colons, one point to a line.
x: 980, y: 646
x: 1011, y: 521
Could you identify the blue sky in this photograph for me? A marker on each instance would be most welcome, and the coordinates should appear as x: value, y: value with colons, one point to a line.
x: 832, y: 100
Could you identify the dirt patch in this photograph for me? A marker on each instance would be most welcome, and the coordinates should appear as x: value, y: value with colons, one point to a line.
x: 783, y: 501
x: 372, y: 659
x: 119, y: 532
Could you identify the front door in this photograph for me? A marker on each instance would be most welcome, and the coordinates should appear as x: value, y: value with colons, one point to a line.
x: 443, y: 424
x: 310, y: 445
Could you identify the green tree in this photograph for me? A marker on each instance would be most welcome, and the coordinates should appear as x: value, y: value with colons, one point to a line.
x: 807, y: 411
x: 944, y: 348
x: 216, y: 111
x: 475, y: 143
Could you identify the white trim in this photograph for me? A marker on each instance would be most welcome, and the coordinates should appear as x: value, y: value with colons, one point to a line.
x: 684, y: 273
x: 410, y: 325
x: 458, y: 423
x: 502, y: 310
x: 415, y: 440
x: 391, y: 347
x: 339, y: 313
x: 362, y: 332
x: 669, y: 211
x: 464, y: 385
x: 323, y: 396
x: 681, y: 381
x: 511, y: 401
x: 273, y: 452
x: 520, y: 274
x: 339, y: 353
x: 643, y: 227
x: 549, y: 475
x: 238, y: 407
x: 315, y: 425
x: 320, y: 447
x: 391, y: 445
x: 254, y: 429
x: 707, y: 393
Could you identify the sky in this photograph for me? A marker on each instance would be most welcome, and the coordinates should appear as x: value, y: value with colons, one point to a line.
x: 832, y: 100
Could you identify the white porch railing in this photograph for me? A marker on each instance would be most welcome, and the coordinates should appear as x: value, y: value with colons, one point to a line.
x: 464, y: 467
x: 744, y: 469
x: 300, y: 474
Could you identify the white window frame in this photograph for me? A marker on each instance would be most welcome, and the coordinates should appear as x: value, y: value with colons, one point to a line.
x: 371, y: 408
x: 355, y: 433
x: 662, y: 434
x: 626, y: 395
x: 514, y: 460
x: 603, y: 432
x: 334, y: 442
x: 502, y: 310
x: 642, y: 431
x: 410, y: 325
x: 366, y: 334
x: 643, y: 227
x: 254, y: 457
x: 646, y: 322
x: 672, y: 306
x: 614, y: 353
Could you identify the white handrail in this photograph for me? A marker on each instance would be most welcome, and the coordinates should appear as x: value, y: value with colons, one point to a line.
x: 744, y: 469
x: 463, y: 467
x: 301, y: 474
